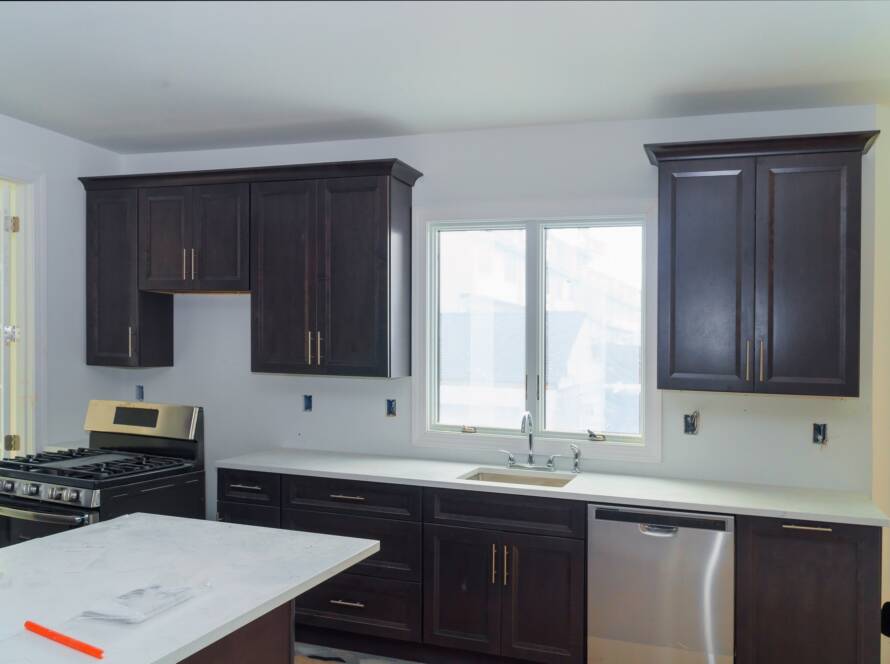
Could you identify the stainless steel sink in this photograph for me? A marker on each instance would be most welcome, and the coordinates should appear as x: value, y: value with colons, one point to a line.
x: 519, y: 477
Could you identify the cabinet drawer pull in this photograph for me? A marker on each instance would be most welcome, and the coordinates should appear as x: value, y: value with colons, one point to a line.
x: 818, y: 529
x: 129, y: 341
x: 506, y: 573
x: 318, y: 348
x: 193, y: 264
x: 246, y: 487
x: 343, y: 602
x: 183, y: 263
x: 747, y: 360
x: 340, y: 496
x: 309, y: 344
x: 494, y: 553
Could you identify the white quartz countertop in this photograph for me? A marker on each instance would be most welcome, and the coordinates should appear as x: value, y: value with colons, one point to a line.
x: 239, y: 572
x: 706, y: 496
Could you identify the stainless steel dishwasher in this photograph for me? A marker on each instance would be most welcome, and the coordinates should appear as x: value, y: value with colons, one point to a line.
x: 659, y: 587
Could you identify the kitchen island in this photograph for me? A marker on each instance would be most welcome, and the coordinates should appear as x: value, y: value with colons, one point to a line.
x: 241, y: 580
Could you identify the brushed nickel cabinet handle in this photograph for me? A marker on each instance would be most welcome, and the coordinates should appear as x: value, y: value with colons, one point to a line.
x: 310, y: 348
x: 761, y: 361
x: 506, y: 573
x: 129, y: 341
x: 340, y: 496
x: 494, y: 553
x: 318, y: 347
x: 818, y: 529
x: 246, y: 487
x: 183, y: 263
x: 343, y: 602
x: 747, y: 360
x: 193, y: 264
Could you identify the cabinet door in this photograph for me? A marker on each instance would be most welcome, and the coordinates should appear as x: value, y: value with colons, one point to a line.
x: 461, y: 591
x: 706, y: 275
x: 543, y: 599
x: 807, y: 592
x: 808, y: 246
x: 219, y: 256
x: 165, y: 239
x: 353, y: 277
x: 283, y: 226
x: 112, y: 296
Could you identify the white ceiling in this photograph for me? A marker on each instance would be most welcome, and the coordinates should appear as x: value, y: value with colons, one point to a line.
x: 143, y: 77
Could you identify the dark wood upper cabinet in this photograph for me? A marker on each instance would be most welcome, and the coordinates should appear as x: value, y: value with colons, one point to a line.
x: 759, y: 264
x: 195, y: 238
x: 354, y: 277
x: 331, y: 276
x: 324, y: 250
x: 125, y: 327
x: 164, y: 238
x: 808, y: 264
x: 706, y: 274
x: 284, y: 231
x: 807, y: 592
x: 221, y: 237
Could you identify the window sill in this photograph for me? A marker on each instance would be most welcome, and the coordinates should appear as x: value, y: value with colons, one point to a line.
x: 648, y: 451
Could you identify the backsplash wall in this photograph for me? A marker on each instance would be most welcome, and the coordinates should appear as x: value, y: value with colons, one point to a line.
x: 565, y: 170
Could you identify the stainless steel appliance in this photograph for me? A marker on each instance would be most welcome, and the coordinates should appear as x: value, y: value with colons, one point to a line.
x: 142, y: 457
x: 659, y: 587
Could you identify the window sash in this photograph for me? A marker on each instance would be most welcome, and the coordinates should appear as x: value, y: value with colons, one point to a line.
x: 535, y: 314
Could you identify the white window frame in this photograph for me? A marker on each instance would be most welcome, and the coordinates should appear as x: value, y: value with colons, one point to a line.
x: 425, y: 433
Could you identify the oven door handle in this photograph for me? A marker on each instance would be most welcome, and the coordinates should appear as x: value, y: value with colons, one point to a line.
x: 43, y: 517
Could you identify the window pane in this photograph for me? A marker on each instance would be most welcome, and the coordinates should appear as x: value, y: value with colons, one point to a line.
x: 593, y: 329
x: 481, y: 327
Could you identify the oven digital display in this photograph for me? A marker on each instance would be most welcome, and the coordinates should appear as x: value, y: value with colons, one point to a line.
x: 136, y: 417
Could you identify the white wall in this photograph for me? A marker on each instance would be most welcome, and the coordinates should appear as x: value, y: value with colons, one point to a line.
x: 51, y: 163
x: 881, y: 357
x: 591, y: 168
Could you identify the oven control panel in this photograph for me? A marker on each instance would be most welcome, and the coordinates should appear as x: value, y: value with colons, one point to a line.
x: 53, y: 493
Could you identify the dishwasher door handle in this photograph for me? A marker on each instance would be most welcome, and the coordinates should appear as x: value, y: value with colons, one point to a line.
x: 653, y: 530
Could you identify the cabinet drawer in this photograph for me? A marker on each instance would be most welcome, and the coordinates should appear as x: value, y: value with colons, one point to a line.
x: 363, y: 605
x: 390, y: 501
x: 505, y: 512
x: 244, y: 486
x: 249, y: 515
x: 400, y: 541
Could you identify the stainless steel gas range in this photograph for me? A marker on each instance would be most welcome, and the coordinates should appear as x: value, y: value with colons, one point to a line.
x: 142, y: 457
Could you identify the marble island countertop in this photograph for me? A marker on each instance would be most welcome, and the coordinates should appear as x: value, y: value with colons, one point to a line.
x: 697, y: 495
x: 239, y: 573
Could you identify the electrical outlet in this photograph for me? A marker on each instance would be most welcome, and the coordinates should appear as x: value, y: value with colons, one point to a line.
x: 140, y: 393
x: 390, y: 407
x: 690, y: 423
x: 307, y: 403
x: 820, y: 433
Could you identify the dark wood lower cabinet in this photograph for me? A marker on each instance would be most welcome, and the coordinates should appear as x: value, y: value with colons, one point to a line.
x: 807, y: 592
x: 248, y: 515
x: 462, y: 603
x: 363, y: 605
x: 519, y: 596
x: 542, y: 607
x: 399, y: 555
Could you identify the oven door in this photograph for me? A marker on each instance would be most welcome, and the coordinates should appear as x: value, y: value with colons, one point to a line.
x: 21, y: 520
